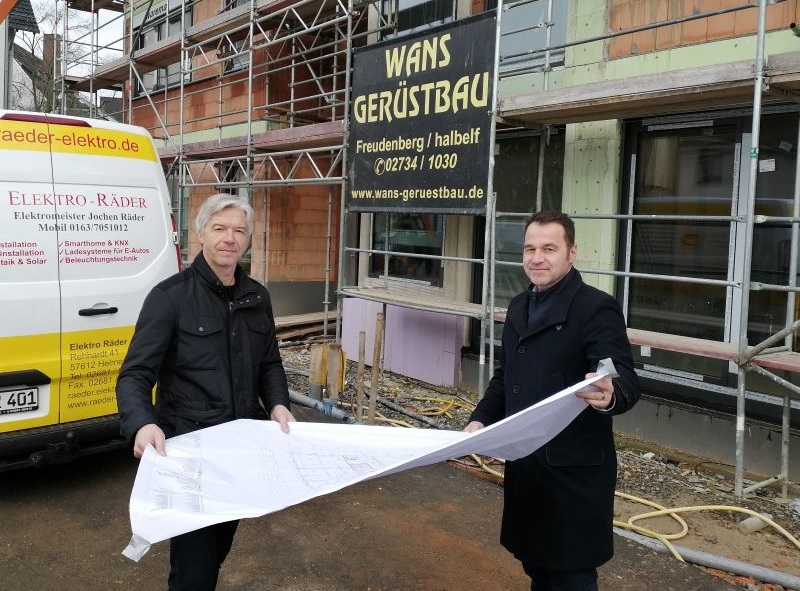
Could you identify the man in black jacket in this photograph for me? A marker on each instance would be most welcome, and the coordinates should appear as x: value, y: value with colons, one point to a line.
x: 559, y: 501
x: 206, y: 336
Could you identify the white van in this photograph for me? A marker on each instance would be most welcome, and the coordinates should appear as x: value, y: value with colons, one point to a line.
x: 85, y: 232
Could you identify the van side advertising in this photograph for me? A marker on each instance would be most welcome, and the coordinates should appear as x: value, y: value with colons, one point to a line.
x: 85, y: 232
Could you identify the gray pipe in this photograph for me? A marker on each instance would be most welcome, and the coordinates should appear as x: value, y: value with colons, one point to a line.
x: 326, y: 406
x: 760, y: 573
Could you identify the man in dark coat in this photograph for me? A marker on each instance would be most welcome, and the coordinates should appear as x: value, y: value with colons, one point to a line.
x: 207, y: 337
x: 559, y: 501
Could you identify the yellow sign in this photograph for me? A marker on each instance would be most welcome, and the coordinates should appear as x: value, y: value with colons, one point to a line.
x: 41, y: 137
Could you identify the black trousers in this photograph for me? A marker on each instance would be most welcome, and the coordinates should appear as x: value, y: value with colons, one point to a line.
x: 196, y: 557
x: 543, y: 579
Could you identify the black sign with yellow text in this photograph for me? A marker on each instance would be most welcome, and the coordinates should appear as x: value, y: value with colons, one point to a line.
x: 421, y: 120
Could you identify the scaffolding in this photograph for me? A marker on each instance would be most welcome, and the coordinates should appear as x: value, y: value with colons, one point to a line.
x: 281, y: 73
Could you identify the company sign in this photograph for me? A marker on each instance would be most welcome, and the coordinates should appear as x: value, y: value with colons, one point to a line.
x: 420, y: 124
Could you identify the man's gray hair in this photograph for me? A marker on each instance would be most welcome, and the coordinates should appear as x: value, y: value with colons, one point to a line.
x: 217, y: 203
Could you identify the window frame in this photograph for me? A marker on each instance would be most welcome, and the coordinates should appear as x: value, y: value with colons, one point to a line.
x: 536, y: 61
x: 163, y: 27
x: 396, y: 10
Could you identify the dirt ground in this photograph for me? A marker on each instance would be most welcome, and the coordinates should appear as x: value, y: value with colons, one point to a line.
x: 672, y: 480
x: 427, y: 529
x: 663, y: 477
x: 64, y: 528
x: 431, y: 529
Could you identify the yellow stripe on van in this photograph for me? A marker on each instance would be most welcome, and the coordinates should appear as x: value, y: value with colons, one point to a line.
x: 83, y: 370
x: 39, y: 137
x: 33, y: 352
x: 38, y: 351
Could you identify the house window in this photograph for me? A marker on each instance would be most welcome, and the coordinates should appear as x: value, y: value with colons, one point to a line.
x: 686, y: 176
x: 416, y: 15
x: 524, y: 29
x: 408, y: 234
x: 516, y: 182
x: 151, y: 34
x: 238, y: 61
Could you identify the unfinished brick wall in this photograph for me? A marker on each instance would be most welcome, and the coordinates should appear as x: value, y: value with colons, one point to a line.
x: 298, y: 229
x: 290, y: 225
x: 628, y: 14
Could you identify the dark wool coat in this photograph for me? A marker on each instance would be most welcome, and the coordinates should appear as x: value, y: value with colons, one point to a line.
x: 215, y: 360
x: 559, y: 501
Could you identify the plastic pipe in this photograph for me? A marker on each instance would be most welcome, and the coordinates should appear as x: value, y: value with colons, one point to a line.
x: 760, y: 573
x: 326, y: 406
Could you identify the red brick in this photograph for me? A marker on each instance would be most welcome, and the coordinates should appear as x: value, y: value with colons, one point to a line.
x: 694, y: 32
x: 668, y: 37
x: 721, y: 27
x: 779, y: 16
x: 745, y: 22
x: 643, y: 42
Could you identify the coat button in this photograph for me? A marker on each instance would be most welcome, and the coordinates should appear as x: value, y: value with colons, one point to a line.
x: 515, y: 390
x: 521, y: 349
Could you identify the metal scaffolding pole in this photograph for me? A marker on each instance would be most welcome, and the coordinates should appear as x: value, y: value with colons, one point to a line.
x: 758, y: 88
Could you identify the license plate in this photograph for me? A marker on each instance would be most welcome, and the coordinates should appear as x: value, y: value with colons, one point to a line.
x: 18, y: 400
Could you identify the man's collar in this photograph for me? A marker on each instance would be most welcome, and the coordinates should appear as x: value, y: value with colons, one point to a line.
x: 555, y: 288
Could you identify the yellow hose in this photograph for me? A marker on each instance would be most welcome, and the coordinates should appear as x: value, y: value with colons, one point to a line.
x: 447, y: 405
x: 659, y: 509
x: 673, y: 513
x: 443, y: 401
x: 485, y: 466
x: 729, y: 508
x: 395, y: 422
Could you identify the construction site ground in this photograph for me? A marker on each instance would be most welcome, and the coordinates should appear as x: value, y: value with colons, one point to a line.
x: 430, y: 529
x: 650, y: 478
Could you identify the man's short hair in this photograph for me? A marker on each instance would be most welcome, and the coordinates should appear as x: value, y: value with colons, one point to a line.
x: 554, y: 217
x: 217, y: 203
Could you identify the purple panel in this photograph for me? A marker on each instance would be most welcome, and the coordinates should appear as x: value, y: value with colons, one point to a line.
x: 421, y: 345
x: 424, y: 345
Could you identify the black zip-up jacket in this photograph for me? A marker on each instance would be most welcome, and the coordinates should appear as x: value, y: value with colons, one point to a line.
x: 215, y: 359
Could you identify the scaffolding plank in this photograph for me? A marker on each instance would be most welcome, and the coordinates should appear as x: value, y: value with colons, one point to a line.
x: 784, y: 70
x: 221, y: 24
x: 108, y: 75
x: 294, y: 320
x: 418, y: 301
x: 114, y: 73
x: 649, y: 94
x: 95, y: 5
x: 305, y: 136
x: 783, y: 360
x: 158, y: 55
x: 681, y: 344
x: 303, y: 9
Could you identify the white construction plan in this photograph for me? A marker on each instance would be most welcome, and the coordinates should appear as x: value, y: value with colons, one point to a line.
x: 249, y: 468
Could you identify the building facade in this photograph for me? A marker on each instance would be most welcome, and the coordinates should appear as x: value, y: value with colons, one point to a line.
x: 669, y: 130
